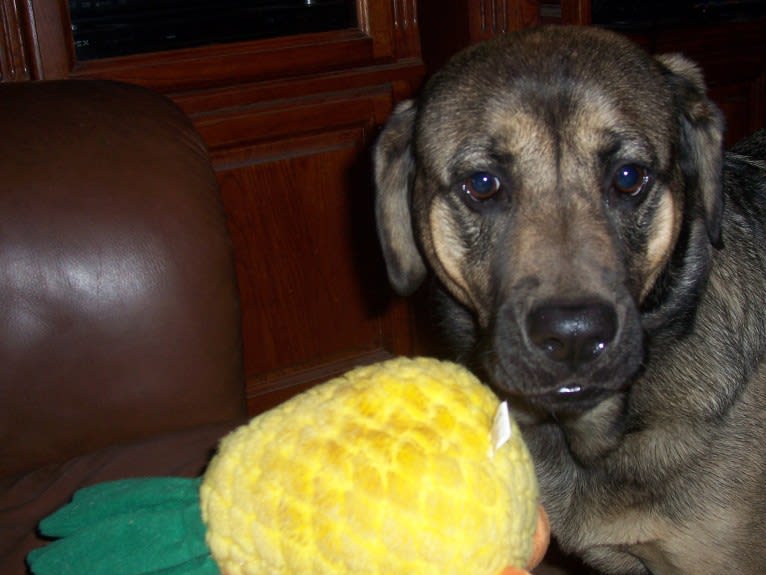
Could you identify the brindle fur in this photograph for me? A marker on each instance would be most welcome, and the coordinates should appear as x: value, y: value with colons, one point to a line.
x: 662, y: 470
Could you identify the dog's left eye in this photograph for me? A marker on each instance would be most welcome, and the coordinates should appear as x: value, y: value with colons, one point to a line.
x: 630, y: 179
x: 481, y: 186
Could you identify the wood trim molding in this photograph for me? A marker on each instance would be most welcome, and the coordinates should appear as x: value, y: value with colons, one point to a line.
x: 497, y: 17
x: 576, y: 11
x: 35, y: 35
x: 406, y: 28
x: 13, y: 61
x: 492, y: 19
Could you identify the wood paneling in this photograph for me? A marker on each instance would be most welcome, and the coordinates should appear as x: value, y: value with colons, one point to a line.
x: 314, y: 296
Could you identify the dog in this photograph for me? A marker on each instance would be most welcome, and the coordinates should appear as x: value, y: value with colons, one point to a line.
x: 596, y: 257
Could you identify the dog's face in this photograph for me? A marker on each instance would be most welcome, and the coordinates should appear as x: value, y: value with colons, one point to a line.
x: 557, y: 182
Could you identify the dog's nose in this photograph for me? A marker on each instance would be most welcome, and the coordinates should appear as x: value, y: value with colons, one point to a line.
x: 572, y: 333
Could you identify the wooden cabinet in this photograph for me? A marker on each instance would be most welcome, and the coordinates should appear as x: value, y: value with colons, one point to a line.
x: 288, y: 122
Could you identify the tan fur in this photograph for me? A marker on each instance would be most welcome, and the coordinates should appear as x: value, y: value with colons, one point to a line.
x: 448, y: 250
x: 665, y: 228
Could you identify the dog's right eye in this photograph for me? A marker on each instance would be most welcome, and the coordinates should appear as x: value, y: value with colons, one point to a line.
x: 631, y: 180
x: 481, y: 186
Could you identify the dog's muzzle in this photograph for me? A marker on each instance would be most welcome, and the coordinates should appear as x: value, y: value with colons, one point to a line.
x: 570, y: 354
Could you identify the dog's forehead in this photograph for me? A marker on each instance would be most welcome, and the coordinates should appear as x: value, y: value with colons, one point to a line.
x: 518, y: 95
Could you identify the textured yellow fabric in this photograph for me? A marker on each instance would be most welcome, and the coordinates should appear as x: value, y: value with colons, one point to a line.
x: 387, y: 470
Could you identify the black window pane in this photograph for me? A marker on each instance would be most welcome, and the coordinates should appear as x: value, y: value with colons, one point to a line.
x: 106, y: 28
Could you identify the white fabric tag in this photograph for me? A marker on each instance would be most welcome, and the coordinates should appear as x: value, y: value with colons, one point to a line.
x: 501, y: 428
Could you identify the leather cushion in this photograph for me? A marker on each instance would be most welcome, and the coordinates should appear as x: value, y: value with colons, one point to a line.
x: 117, y: 288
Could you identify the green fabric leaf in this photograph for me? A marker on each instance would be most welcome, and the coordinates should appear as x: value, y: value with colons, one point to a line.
x: 133, y: 527
x: 93, y: 504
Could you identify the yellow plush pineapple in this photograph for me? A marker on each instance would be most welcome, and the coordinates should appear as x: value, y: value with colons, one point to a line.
x: 391, y: 469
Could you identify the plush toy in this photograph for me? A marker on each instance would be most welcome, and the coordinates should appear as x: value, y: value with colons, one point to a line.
x: 405, y: 467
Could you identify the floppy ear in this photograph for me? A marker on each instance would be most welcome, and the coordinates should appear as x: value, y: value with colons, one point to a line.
x: 701, y: 137
x: 394, y: 170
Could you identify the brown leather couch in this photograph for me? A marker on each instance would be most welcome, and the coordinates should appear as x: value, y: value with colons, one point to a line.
x: 119, y: 325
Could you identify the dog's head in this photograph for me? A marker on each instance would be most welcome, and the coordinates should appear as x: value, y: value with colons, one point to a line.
x: 564, y: 188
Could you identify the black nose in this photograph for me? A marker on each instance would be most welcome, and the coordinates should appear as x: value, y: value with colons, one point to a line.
x: 572, y: 333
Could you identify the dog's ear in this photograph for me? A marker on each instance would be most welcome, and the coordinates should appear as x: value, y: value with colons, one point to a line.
x: 394, y: 172
x: 701, y: 137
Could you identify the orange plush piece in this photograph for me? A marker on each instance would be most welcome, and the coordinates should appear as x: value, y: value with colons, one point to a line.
x: 540, y: 541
